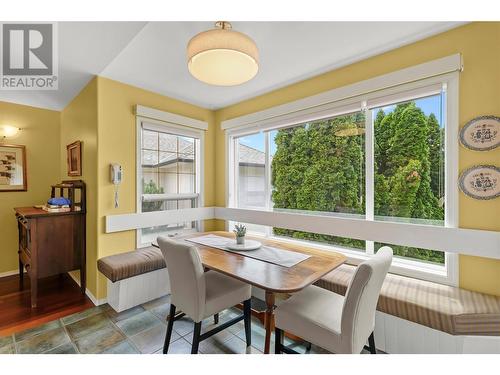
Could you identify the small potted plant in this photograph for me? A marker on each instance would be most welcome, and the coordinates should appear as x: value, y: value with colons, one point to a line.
x: 240, y: 230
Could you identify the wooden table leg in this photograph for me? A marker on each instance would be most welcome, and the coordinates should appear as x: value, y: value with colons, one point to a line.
x: 269, y: 320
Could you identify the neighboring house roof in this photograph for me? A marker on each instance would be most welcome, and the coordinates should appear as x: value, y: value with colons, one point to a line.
x: 247, y: 155
x: 172, y: 149
x: 251, y: 156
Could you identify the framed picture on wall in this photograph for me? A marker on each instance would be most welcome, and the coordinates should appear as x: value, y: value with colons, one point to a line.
x: 13, y: 168
x: 74, y: 158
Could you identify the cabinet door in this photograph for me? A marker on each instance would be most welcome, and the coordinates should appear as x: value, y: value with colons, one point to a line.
x: 56, y: 244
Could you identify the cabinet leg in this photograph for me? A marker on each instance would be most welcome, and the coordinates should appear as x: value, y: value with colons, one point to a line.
x: 21, y: 275
x: 83, y: 281
x: 34, y: 292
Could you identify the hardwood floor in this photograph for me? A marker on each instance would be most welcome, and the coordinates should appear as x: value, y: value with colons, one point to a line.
x: 58, y: 296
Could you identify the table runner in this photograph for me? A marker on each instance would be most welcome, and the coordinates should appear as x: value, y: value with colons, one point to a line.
x: 285, y: 258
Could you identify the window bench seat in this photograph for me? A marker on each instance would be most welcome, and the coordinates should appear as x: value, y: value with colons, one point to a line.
x: 132, y: 263
x: 445, y: 308
x: 134, y: 277
x: 411, y: 314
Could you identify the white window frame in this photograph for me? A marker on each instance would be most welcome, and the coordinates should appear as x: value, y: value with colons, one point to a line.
x: 449, y: 82
x: 175, y: 129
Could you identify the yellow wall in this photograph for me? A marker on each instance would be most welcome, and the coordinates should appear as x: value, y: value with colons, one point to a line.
x: 117, y: 144
x: 102, y: 116
x: 479, y: 95
x: 79, y: 123
x: 40, y: 135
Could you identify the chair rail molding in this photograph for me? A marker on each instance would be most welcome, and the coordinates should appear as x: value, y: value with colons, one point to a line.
x: 455, y: 240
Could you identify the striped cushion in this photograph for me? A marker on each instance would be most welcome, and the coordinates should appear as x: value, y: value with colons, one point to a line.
x: 132, y: 263
x: 442, y: 307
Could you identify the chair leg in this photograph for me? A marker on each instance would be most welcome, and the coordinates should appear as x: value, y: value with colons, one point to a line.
x: 170, y: 326
x: 247, y: 312
x: 196, y: 338
x: 371, y: 341
x: 278, y: 340
x: 216, y: 318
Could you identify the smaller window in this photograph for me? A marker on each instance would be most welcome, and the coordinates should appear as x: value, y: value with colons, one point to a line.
x: 169, y: 177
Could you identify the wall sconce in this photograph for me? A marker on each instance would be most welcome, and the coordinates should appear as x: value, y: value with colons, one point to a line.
x: 8, y: 131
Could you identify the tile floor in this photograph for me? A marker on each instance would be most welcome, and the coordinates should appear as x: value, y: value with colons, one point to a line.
x: 138, y: 330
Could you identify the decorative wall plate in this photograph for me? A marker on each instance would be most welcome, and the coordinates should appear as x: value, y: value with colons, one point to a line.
x: 481, y: 182
x: 481, y: 133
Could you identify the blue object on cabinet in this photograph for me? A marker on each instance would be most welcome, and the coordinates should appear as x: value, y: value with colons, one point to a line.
x: 59, y: 201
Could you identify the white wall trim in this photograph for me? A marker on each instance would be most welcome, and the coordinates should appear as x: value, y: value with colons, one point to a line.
x: 464, y: 241
x: 456, y: 240
x: 94, y: 299
x: 452, y: 63
x: 452, y: 207
x: 118, y: 223
x: 10, y: 273
x: 172, y: 118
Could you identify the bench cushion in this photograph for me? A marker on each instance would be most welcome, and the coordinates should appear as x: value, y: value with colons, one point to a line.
x: 122, y: 266
x: 442, y: 307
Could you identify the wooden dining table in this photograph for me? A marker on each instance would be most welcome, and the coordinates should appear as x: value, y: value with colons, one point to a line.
x: 272, y: 278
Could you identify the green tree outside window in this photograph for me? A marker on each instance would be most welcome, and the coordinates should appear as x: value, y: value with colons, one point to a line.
x: 316, y: 169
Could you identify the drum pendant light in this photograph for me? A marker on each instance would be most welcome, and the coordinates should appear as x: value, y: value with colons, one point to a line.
x: 222, y: 56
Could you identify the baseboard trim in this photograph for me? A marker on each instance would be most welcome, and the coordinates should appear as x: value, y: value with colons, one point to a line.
x: 10, y: 273
x: 89, y: 294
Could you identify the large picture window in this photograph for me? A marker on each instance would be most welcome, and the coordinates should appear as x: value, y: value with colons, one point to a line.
x: 169, y: 176
x: 385, y: 161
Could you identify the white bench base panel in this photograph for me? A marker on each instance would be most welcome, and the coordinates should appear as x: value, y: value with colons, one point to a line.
x: 399, y: 336
x: 127, y: 293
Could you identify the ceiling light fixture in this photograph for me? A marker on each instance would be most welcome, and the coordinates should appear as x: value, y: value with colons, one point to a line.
x: 222, y: 56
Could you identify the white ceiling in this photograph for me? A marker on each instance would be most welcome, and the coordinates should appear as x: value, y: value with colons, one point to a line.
x: 153, y: 56
x: 85, y: 49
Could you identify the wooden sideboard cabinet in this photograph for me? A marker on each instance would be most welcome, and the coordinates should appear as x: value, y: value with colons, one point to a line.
x: 52, y: 243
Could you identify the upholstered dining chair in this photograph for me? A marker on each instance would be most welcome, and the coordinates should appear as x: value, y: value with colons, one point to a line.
x: 336, y: 323
x: 200, y: 294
